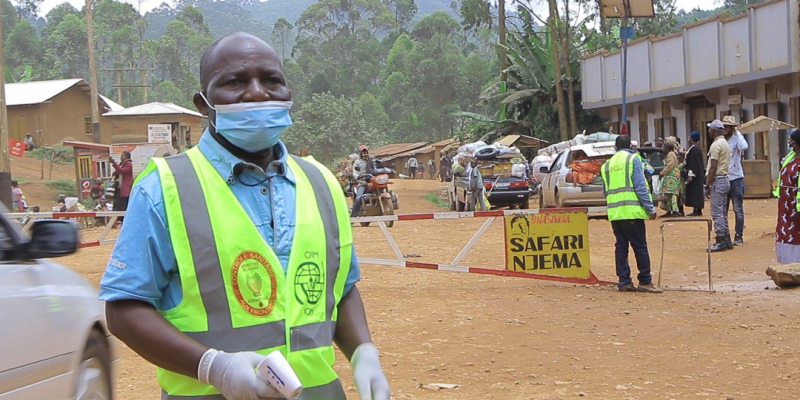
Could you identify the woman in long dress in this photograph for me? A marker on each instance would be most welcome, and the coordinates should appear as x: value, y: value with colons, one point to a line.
x: 787, y: 230
x: 695, y: 176
x: 671, y: 180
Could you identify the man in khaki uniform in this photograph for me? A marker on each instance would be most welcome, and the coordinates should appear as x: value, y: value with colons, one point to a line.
x: 717, y: 185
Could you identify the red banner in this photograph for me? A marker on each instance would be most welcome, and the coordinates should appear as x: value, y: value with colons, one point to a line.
x: 16, y: 148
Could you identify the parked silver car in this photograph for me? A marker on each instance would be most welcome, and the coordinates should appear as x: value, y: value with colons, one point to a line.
x: 563, y: 187
x: 54, y: 343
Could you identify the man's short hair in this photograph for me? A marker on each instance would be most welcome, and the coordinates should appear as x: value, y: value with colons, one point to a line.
x: 623, y: 142
x: 126, y: 153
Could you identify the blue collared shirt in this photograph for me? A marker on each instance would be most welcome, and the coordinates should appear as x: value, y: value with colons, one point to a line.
x: 143, y: 265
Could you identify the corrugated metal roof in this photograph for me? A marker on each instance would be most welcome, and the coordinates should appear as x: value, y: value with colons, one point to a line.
x: 38, y: 92
x: 524, y: 141
x: 112, y: 106
x: 152, y: 109
x: 423, y: 150
x: 26, y: 93
x: 444, y: 143
x: 392, y: 149
x: 90, y: 145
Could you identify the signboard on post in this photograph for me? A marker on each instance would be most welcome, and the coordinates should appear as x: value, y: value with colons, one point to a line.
x: 16, y: 147
x: 549, y: 243
x: 159, y: 133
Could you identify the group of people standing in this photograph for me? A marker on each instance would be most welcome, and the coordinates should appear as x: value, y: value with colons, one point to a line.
x: 686, y: 181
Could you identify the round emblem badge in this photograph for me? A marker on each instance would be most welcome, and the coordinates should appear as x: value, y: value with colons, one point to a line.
x: 254, y: 283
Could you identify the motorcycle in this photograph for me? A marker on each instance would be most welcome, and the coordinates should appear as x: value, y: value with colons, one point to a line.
x: 378, y: 199
x: 350, y: 188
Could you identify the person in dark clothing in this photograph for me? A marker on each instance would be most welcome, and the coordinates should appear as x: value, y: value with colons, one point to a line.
x: 362, y: 168
x: 97, y: 191
x: 444, y: 167
x: 124, y: 170
x: 695, y: 176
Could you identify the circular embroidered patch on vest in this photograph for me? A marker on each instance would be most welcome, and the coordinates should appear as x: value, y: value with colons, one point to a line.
x: 248, y: 275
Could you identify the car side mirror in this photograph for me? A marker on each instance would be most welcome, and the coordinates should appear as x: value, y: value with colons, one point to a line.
x: 544, y: 170
x: 52, y: 238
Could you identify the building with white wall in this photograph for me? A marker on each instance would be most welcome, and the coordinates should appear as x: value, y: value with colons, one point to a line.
x: 746, y: 65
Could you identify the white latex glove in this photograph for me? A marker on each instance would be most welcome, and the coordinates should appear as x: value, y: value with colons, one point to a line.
x: 234, y: 375
x: 367, y: 373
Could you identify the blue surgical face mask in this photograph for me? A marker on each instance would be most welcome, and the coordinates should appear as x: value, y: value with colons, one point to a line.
x: 253, y: 126
x: 790, y: 145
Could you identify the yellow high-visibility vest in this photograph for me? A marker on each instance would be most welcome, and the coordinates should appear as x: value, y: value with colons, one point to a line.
x: 236, y: 296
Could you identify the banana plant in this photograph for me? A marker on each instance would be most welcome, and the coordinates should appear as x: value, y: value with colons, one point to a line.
x: 26, y: 75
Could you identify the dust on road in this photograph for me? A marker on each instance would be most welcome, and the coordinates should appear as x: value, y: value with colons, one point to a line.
x: 507, y: 338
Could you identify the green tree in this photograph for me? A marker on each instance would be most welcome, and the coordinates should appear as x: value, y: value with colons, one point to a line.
x: 68, y: 42
x: 281, y: 35
x: 23, y: 49
x: 27, y: 9
x: 169, y: 92
x: 404, y: 12
x: 474, y: 13
x: 331, y: 126
x: 738, y: 6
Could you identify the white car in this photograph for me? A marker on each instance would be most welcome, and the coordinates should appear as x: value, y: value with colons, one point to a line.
x: 562, y: 187
x: 54, y: 343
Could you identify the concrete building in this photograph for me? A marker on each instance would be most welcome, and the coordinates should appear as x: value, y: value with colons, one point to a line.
x: 745, y: 65
x: 52, y: 111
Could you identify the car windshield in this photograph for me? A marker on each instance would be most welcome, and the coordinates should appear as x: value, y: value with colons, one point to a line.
x: 655, y: 158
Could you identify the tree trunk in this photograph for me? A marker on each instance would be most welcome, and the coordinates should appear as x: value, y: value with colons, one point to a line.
x: 562, y: 111
x: 565, y: 49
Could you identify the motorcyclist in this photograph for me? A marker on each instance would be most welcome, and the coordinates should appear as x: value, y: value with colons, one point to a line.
x: 363, y: 168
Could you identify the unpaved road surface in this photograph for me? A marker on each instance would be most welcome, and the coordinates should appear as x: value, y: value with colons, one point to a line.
x: 511, y: 338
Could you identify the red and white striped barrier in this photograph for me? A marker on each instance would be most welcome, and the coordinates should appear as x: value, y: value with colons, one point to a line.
x: 28, y: 219
x: 471, y: 214
x: 400, y: 260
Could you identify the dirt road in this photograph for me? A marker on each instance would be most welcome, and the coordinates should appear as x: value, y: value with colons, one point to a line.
x: 506, y: 338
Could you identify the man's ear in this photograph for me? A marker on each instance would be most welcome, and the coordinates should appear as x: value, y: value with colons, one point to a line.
x: 200, y: 104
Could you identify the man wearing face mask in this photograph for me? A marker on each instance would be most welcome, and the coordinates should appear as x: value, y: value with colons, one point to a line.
x: 239, y: 250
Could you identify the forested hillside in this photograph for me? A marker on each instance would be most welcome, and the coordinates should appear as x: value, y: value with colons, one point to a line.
x: 361, y: 71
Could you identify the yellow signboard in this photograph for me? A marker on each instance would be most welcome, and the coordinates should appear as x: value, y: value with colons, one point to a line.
x: 549, y: 243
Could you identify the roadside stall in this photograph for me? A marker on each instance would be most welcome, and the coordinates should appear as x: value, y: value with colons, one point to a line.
x: 758, y: 174
x: 91, y: 163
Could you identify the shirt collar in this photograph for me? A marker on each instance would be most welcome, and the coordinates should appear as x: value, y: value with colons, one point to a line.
x: 224, y: 162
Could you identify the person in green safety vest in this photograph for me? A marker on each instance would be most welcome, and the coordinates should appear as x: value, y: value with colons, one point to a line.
x: 629, y: 204
x: 239, y: 249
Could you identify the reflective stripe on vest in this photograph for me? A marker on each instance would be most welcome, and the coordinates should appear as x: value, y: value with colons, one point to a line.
x: 777, y: 191
x: 621, y: 198
x: 233, y: 297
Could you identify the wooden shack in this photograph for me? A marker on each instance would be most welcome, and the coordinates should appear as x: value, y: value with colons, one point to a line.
x: 91, y: 163
x: 52, y: 111
x: 162, y: 123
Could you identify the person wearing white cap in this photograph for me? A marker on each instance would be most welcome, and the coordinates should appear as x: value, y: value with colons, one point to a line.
x: 717, y: 185
x: 738, y: 145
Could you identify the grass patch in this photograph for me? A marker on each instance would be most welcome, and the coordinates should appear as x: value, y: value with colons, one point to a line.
x: 437, y: 201
x: 63, y: 186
